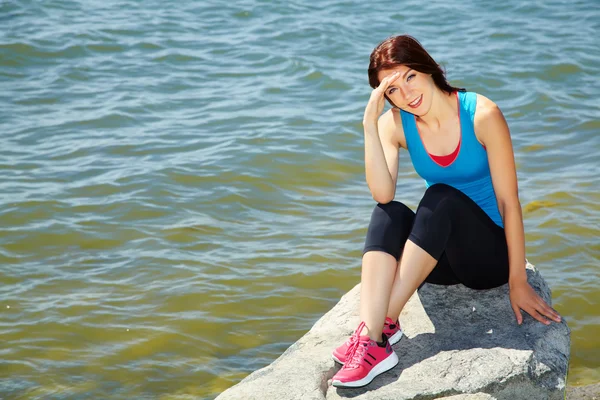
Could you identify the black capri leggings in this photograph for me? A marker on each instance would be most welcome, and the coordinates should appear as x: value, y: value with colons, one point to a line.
x: 470, y: 248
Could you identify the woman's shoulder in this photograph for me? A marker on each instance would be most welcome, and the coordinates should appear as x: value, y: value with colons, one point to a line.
x: 478, y: 106
x: 489, y: 120
x: 483, y: 102
x: 485, y: 108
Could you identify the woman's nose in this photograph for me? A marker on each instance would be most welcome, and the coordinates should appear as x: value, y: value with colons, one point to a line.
x: 404, y: 93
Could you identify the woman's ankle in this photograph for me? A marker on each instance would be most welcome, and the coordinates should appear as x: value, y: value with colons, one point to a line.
x: 366, y: 332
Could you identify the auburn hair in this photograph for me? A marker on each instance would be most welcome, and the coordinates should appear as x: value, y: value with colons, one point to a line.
x: 406, y: 50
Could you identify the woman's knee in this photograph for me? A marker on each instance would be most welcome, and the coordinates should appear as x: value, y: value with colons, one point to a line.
x: 441, y: 190
x: 439, y: 194
x: 395, y: 213
x: 394, y: 208
x: 389, y: 228
x: 432, y: 224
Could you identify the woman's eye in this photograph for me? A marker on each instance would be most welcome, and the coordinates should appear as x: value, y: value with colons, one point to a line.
x: 391, y: 91
x: 410, y: 77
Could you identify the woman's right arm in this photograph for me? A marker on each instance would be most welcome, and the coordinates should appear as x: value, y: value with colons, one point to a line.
x: 381, y: 158
x: 381, y: 146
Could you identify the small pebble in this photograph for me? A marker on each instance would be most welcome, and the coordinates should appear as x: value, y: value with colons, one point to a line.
x: 473, y: 308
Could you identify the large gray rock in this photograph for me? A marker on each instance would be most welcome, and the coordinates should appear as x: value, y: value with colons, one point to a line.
x: 459, y: 344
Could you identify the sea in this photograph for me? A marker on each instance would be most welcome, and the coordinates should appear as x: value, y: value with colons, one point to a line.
x: 182, y: 184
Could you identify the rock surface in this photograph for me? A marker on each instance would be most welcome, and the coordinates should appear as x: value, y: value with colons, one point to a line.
x: 588, y: 392
x: 459, y: 344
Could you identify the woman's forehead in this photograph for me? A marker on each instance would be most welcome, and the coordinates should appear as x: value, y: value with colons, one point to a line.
x: 386, y: 72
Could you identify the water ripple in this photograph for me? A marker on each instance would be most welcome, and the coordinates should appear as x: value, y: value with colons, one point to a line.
x: 183, y: 188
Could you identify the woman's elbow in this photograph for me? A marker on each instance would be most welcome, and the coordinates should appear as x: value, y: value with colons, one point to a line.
x: 509, y: 204
x: 383, y: 198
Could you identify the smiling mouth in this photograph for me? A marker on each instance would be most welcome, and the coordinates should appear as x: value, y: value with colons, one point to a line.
x: 416, y: 103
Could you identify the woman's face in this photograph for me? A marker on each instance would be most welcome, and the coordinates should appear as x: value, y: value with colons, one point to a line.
x: 411, y: 91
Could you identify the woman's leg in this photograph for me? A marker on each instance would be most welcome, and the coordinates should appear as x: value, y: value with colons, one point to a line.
x: 414, y: 266
x: 386, y: 283
x: 475, y: 246
x: 452, y: 241
x: 386, y: 287
x: 388, y: 230
x: 377, y: 277
x: 368, y: 353
x: 449, y: 224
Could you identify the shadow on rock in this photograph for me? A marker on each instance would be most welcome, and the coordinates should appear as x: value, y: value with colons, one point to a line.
x: 453, y: 332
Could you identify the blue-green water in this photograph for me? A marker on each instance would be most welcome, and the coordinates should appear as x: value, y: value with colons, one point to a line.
x: 182, y: 183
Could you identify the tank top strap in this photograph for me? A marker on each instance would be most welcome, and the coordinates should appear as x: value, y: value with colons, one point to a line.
x: 468, y: 102
x: 405, y: 119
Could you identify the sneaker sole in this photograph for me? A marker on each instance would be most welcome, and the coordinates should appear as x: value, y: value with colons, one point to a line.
x: 392, y: 339
x: 379, y: 369
x: 395, y: 338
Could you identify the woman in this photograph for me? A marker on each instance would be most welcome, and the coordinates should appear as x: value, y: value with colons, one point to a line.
x: 468, y: 228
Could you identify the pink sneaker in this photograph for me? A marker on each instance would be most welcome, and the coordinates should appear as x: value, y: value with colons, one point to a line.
x: 365, y: 360
x: 391, y: 329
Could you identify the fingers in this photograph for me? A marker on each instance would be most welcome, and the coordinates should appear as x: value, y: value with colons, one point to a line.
x: 537, y: 316
x: 387, y: 81
x: 530, y: 302
x: 544, y: 309
x: 518, y: 314
x: 540, y: 311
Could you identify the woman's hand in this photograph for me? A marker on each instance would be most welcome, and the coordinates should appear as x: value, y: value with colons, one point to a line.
x: 377, y: 100
x: 523, y: 297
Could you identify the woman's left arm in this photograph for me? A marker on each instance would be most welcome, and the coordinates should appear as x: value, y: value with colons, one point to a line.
x: 492, y: 131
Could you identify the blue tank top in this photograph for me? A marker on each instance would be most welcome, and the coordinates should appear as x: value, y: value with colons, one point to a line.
x: 470, y: 171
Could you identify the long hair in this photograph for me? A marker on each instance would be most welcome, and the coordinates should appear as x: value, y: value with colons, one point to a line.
x: 406, y: 50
